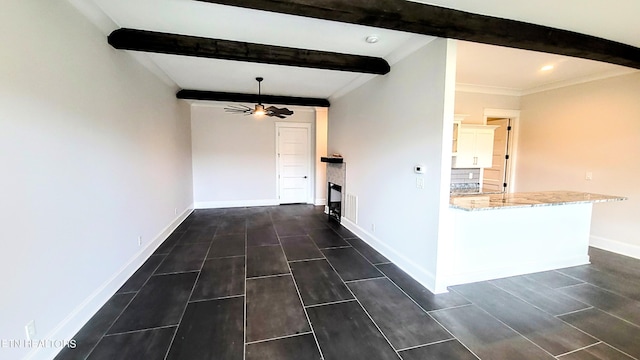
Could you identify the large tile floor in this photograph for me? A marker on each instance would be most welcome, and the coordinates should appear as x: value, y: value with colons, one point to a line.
x: 283, y: 283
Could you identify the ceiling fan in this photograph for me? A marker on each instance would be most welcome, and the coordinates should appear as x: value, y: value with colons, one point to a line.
x: 259, y: 109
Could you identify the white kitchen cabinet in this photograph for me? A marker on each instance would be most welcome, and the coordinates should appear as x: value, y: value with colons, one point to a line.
x: 475, y: 146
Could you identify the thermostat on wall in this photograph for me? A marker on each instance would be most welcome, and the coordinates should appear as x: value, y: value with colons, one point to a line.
x: 418, y: 169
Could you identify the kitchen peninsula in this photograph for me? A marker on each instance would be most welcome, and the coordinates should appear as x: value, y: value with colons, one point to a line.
x: 500, y: 235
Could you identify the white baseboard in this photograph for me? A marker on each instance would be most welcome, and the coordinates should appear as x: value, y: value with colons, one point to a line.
x: 320, y: 202
x: 615, y: 246
x: 68, y: 327
x: 418, y: 273
x: 520, y: 269
x: 235, y: 203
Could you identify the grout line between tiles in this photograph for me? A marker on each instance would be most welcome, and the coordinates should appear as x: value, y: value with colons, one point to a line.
x: 295, y: 284
x: 573, y: 312
x: 176, y: 272
x: 428, y: 344
x: 193, y: 287
x: 142, y: 330
x: 360, y: 280
x: 224, y: 257
x: 447, y: 308
x: 519, y: 297
x: 328, y: 303
x: 278, y: 338
x: 267, y: 276
x: 303, y: 260
x: 114, y: 321
x: 503, y: 323
x: 216, y: 298
x: 433, y: 318
x: 335, y: 247
x: 365, y: 310
x: 244, y: 320
x: 582, y: 348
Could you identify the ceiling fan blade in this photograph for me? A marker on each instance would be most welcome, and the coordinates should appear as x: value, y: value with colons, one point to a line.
x: 238, y: 106
x: 274, y: 111
x: 238, y: 109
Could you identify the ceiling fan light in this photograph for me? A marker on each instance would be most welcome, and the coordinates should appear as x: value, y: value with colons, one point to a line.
x: 259, y: 110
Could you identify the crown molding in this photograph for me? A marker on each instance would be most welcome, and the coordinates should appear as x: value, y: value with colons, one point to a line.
x: 483, y: 89
x: 577, y: 81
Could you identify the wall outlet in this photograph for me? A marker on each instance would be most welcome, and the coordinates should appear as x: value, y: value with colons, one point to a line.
x: 175, y: 211
x: 139, y: 240
x: 373, y: 227
x: 588, y: 176
x: 470, y: 176
x: 420, y: 182
x: 30, y: 328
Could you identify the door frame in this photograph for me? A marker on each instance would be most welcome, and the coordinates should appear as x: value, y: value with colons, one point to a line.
x: 514, y: 116
x: 312, y: 164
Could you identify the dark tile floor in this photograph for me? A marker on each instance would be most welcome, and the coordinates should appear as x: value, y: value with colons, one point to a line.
x: 283, y: 283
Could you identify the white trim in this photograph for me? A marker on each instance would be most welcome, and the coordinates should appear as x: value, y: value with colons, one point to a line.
x: 615, y: 246
x: 320, y: 202
x: 582, y: 80
x: 418, y: 273
x: 311, y: 157
x: 494, y: 90
x: 79, y: 316
x: 235, y: 203
x: 520, y: 269
x: 483, y: 89
x: 514, y: 115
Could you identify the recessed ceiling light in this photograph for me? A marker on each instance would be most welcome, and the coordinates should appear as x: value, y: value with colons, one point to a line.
x: 546, y: 68
x: 372, y: 39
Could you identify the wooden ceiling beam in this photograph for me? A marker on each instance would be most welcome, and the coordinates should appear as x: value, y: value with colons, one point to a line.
x: 150, y: 41
x: 432, y: 20
x: 251, y: 98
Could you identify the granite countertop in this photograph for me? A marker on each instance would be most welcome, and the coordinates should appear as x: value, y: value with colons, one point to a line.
x: 528, y: 199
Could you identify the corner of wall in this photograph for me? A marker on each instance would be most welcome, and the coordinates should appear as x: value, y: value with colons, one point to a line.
x: 417, y: 272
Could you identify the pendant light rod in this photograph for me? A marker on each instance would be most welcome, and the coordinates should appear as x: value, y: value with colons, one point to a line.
x: 259, y: 80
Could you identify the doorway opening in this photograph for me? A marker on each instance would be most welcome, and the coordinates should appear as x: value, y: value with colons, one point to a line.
x: 500, y: 177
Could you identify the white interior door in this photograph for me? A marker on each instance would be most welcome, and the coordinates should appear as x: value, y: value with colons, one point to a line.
x: 494, y: 177
x: 294, y: 162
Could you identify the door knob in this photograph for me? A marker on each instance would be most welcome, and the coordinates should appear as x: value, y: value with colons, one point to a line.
x: 304, y: 177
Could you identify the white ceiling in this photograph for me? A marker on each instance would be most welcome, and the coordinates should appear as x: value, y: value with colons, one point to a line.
x: 479, y: 66
x: 500, y: 70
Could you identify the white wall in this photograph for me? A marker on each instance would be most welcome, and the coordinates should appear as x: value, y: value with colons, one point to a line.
x: 383, y: 129
x: 95, y: 151
x: 234, y: 156
x: 591, y: 127
x: 474, y: 104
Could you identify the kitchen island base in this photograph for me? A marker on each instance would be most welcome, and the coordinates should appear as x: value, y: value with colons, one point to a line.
x: 514, y: 241
x: 507, y: 242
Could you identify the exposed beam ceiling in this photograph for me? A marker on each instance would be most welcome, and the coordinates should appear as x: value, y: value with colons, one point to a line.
x: 158, y: 42
x: 251, y: 98
x: 432, y: 20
